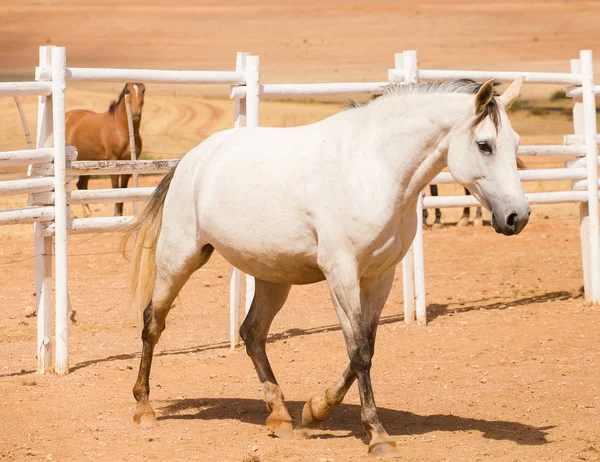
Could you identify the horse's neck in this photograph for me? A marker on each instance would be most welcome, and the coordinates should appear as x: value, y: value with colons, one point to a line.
x: 120, y: 118
x: 414, y: 138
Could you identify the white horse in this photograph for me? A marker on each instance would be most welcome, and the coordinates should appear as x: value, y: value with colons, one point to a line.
x: 335, y: 200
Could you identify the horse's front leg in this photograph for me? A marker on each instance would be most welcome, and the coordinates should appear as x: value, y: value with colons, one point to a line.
x: 438, y: 213
x: 373, y: 294
x: 345, y: 288
x: 268, y: 300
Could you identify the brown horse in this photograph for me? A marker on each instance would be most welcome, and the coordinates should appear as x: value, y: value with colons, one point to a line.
x: 105, y: 136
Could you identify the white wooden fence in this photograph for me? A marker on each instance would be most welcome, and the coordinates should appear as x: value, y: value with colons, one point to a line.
x: 52, y: 164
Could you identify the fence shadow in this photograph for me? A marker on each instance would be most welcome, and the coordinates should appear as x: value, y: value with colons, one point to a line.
x: 433, y: 311
x: 347, y: 418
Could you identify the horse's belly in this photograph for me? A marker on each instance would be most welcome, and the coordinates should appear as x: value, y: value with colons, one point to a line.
x: 273, y: 265
x: 273, y: 247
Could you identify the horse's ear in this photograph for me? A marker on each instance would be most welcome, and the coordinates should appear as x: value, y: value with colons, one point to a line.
x: 484, y: 95
x: 511, y: 94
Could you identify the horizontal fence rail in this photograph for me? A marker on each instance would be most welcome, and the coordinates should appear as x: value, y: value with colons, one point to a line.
x: 501, y: 76
x: 25, y: 88
x: 291, y: 89
x: 26, y: 157
x: 30, y: 185
x: 551, y: 174
x: 148, y: 76
x: 120, y: 167
x: 91, y: 225
x: 95, y: 196
x: 99, y: 196
x: 555, y: 197
x: 577, y: 139
x: 551, y: 150
x: 28, y: 215
x: 572, y: 92
x: 110, y: 167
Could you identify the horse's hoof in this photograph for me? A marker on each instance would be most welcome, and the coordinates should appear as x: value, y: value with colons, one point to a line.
x: 280, y: 428
x: 478, y: 222
x: 145, y: 419
x: 464, y: 221
x: 385, y: 449
x: 309, y: 419
x: 437, y: 224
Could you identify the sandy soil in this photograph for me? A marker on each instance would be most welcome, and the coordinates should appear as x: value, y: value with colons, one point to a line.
x: 508, y: 366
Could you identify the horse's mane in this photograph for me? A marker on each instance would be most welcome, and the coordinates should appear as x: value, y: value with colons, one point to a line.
x: 113, y: 106
x: 468, y: 86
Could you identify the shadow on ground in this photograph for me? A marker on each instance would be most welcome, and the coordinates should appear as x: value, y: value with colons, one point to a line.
x: 347, y: 418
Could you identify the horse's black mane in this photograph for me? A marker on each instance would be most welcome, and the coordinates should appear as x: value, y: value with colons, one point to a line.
x: 113, y: 106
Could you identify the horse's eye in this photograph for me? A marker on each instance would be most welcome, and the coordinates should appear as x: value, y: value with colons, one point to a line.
x: 484, y: 146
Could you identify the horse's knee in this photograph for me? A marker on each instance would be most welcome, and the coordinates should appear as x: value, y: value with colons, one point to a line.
x: 360, y: 359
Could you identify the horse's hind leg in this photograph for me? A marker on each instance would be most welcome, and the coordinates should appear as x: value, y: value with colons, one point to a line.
x: 268, y: 300
x: 373, y: 297
x: 82, y: 183
x: 175, y: 264
x: 478, y: 221
x: 114, y: 179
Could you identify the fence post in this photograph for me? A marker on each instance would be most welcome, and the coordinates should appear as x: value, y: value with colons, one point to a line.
x: 236, y: 274
x: 43, y: 245
x: 413, y: 271
x: 584, y: 232
x: 252, y: 120
x: 61, y: 361
x: 419, y: 262
x: 591, y: 153
x: 132, y: 152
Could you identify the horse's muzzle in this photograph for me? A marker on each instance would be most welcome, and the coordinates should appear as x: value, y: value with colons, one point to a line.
x: 512, y: 223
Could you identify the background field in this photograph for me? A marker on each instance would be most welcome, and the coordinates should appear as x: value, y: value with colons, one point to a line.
x: 508, y: 366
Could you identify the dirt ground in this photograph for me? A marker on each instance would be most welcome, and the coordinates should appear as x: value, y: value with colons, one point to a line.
x: 508, y: 365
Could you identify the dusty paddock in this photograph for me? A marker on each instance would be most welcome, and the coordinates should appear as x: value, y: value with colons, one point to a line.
x: 507, y: 368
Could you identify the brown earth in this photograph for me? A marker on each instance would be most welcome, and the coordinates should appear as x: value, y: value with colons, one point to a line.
x: 508, y: 366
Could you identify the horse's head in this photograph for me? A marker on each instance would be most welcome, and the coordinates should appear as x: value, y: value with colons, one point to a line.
x: 136, y: 97
x: 482, y: 157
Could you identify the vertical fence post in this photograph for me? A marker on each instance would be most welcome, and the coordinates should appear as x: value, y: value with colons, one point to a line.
x: 132, y: 152
x: 43, y: 245
x: 584, y: 230
x: 236, y: 274
x: 419, y: 262
x: 413, y: 279
x: 252, y: 120
x: 591, y: 153
x: 24, y: 122
x: 61, y: 362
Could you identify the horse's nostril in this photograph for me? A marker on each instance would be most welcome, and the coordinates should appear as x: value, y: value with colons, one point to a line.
x: 511, y: 220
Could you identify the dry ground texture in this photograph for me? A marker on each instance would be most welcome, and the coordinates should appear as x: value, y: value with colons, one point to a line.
x: 508, y: 366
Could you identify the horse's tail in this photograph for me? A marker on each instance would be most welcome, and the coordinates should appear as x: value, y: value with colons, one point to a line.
x: 145, y: 231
